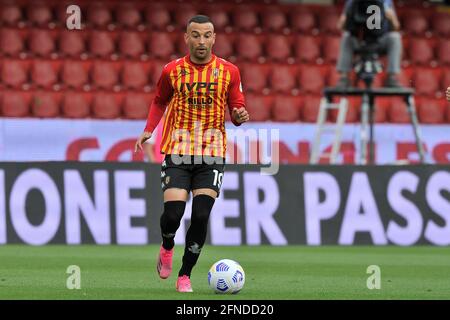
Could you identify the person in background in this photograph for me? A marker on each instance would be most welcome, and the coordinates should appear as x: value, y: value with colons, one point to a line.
x: 390, y: 40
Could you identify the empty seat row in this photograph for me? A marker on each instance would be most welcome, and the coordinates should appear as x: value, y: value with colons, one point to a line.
x: 281, y: 108
x: 237, y: 46
x: 312, y: 79
x: 74, y: 43
x: 72, y: 104
x: 242, y: 17
x: 168, y: 15
x: 95, y: 15
x: 80, y: 74
x: 264, y: 78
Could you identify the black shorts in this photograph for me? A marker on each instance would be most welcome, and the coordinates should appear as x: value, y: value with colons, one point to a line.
x: 192, y: 172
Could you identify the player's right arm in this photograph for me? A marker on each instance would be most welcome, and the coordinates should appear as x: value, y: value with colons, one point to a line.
x: 448, y: 94
x: 164, y: 93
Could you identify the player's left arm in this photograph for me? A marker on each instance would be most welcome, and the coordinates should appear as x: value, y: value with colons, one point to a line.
x: 236, y: 100
x: 448, y: 94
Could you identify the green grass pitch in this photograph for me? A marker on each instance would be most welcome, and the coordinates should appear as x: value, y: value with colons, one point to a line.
x: 273, y: 273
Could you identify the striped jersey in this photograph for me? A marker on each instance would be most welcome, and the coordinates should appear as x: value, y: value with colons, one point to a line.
x: 196, y: 97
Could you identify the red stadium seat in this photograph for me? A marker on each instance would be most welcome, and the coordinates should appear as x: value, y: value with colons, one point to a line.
x: 445, y: 79
x: 10, y: 14
x: 224, y: 45
x: 219, y: 16
x: 16, y: 104
x: 161, y: 45
x: 181, y: 48
x: 76, y: 105
x: 426, y: 81
x: 307, y: 48
x: 283, y: 78
x: 312, y: 78
x: 39, y: 15
x: 333, y: 76
x: 135, y: 75
x: 11, y: 42
x: 302, y: 21
x: 421, y: 51
x: 441, y: 23
x: 254, y: 77
x: 131, y: 44
x: 99, y: 15
x: 328, y: 23
x: 128, y: 15
x: 15, y: 72
x: 105, y: 74
x: 248, y: 47
x: 61, y: 15
x: 245, y: 18
x: 46, y: 104
x: 406, y: 77
x: 259, y: 107
x: 136, y: 106
x: 431, y: 111
x: 382, y: 105
x: 101, y: 43
x: 278, y: 47
x: 310, y: 108
x: 106, y: 105
x: 397, y: 112
x: 331, y: 46
x: 443, y: 51
x: 415, y: 24
x: 157, y: 16
x: 157, y: 68
x: 182, y: 14
x: 75, y: 74
x: 44, y: 73
x: 273, y: 19
x: 72, y: 43
x: 287, y: 108
x: 42, y: 42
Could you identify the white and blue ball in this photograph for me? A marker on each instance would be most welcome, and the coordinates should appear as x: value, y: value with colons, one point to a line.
x: 226, y: 276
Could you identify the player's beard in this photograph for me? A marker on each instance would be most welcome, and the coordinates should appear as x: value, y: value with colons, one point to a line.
x: 202, y: 55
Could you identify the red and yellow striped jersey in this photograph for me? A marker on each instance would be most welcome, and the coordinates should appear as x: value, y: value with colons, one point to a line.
x: 196, y: 97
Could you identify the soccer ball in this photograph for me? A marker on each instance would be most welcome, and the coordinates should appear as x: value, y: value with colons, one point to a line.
x: 226, y: 276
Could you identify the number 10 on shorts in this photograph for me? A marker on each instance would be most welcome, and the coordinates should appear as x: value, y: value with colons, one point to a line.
x: 217, y: 178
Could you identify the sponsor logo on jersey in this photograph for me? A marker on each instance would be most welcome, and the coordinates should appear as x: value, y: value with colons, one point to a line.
x: 198, y: 86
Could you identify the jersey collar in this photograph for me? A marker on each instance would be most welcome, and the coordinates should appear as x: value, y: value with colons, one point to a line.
x: 188, y: 60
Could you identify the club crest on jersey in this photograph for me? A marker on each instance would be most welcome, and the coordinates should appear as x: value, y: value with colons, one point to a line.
x: 183, y: 72
x: 216, y: 73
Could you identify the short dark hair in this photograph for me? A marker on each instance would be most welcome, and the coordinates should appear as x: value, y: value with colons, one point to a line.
x: 199, y: 19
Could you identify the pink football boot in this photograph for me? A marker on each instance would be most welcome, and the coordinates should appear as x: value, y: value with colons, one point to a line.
x: 184, y: 284
x: 164, y: 266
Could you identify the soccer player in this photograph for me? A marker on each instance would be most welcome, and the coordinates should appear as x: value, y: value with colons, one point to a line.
x: 197, y: 89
